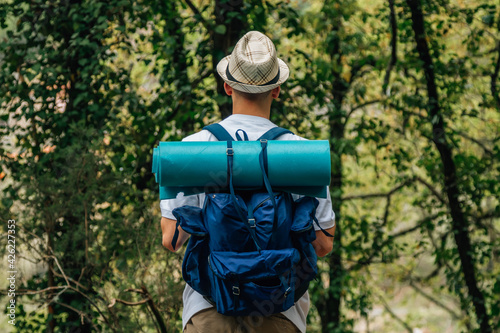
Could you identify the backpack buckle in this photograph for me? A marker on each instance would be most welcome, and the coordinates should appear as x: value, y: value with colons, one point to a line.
x: 251, y: 222
x: 229, y: 151
x: 236, y: 291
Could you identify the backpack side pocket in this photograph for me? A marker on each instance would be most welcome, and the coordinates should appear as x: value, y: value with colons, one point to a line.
x: 303, y: 234
x: 195, y: 263
x: 190, y: 218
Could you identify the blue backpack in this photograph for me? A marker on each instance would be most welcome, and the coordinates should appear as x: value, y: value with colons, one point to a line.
x: 250, y: 251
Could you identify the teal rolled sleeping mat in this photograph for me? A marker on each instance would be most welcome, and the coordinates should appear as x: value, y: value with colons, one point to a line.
x: 192, y: 167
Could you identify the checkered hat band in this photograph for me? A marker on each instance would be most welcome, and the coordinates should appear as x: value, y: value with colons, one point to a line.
x: 273, y: 81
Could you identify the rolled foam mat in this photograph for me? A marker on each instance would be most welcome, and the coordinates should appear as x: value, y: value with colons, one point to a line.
x: 192, y: 167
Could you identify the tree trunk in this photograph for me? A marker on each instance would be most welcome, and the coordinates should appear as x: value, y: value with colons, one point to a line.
x: 51, y: 324
x: 460, y: 225
x: 329, y: 307
x: 234, y: 25
x: 331, y: 312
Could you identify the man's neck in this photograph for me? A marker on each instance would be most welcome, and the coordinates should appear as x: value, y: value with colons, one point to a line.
x: 251, y: 109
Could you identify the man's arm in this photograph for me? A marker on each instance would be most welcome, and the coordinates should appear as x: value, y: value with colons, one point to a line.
x: 323, y: 244
x: 168, y: 231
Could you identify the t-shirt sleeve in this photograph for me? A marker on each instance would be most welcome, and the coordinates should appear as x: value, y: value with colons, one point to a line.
x: 324, y: 213
x: 168, y: 205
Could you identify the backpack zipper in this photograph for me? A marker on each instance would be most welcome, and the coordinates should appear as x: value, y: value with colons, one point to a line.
x: 212, y: 269
x: 262, y: 203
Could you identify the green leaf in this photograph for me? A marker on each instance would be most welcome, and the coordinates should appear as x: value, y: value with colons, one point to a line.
x: 220, y: 29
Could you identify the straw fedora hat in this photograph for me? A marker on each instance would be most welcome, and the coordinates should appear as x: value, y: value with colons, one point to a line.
x: 253, y: 66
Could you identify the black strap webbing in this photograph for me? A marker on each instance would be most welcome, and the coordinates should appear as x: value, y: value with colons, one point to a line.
x: 222, y: 135
x: 219, y: 132
x: 274, y: 133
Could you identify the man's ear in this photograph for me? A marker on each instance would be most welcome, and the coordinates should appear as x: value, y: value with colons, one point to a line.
x: 228, y: 89
x: 276, y: 92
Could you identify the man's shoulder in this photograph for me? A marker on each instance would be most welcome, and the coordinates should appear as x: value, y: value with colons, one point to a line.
x: 202, y: 135
x: 291, y: 137
x: 205, y: 135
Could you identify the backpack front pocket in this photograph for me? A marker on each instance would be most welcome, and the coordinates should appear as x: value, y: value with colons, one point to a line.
x: 253, y: 283
x: 227, y: 231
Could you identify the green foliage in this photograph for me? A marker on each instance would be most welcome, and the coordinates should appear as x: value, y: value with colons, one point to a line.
x: 87, y: 89
x: 35, y: 322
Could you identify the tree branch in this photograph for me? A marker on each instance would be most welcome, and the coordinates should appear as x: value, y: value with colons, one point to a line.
x: 435, y: 301
x: 405, y: 111
x: 154, y: 309
x: 386, y: 211
x: 116, y: 300
x: 494, y: 77
x: 357, y: 65
x: 377, y: 195
x: 147, y: 300
x: 437, y: 248
x: 35, y: 292
x: 202, y: 77
x: 393, y: 315
x: 64, y: 289
x: 139, y: 291
x: 415, y: 227
x: 360, y: 106
x: 197, y: 13
x: 489, y: 215
x: 435, y: 272
x: 60, y: 269
x: 432, y: 189
x: 82, y: 315
x: 390, y: 238
x: 479, y: 143
x: 394, y: 44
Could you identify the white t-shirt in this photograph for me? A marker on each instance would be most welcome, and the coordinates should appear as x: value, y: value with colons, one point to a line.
x: 254, y: 126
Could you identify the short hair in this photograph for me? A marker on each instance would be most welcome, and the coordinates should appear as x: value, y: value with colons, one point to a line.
x: 253, y: 97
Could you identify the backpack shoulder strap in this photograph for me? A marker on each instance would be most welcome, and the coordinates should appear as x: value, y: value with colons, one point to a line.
x: 274, y: 133
x: 219, y: 132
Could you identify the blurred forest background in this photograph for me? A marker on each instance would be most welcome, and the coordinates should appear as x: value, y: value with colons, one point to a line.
x: 407, y: 92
